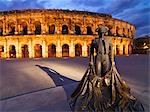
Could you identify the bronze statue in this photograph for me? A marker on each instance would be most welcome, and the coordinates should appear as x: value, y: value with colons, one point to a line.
x: 101, y: 88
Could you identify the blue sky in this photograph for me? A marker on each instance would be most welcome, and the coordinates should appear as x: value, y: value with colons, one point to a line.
x: 133, y: 11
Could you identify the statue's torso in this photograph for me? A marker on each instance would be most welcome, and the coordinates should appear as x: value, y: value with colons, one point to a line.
x: 102, y: 58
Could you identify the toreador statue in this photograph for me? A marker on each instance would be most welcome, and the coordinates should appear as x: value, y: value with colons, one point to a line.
x: 101, y: 88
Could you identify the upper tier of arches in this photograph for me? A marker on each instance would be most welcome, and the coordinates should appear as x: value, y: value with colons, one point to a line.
x: 59, y: 22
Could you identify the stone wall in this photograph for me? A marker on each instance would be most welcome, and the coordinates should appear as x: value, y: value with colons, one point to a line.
x: 42, y: 28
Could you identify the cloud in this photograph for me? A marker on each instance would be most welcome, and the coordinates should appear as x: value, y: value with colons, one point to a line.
x: 92, y: 3
x: 21, y: 4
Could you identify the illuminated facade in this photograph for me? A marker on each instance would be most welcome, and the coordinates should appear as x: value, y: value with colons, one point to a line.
x: 58, y: 33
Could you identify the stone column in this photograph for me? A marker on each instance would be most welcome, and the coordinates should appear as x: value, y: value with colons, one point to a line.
x: 58, y: 27
x: 58, y: 49
x: 84, y: 49
x: 20, y: 28
x: 46, y: 51
x: 7, y: 29
x: 71, y: 49
x: 44, y: 54
x: 4, y: 28
x: 17, y: 48
x: 114, y: 47
x: 31, y: 27
x: 43, y: 27
x: 31, y: 49
x: 6, y: 50
x: 16, y: 28
x: 72, y: 29
x: 83, y: 29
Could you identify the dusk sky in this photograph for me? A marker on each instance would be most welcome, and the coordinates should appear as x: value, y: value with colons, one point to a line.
x: 136, y: 12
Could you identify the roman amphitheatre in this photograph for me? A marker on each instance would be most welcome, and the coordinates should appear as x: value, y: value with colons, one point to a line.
x: 43, y: 33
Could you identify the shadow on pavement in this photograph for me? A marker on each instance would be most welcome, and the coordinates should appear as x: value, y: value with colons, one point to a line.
x: 68, y: 84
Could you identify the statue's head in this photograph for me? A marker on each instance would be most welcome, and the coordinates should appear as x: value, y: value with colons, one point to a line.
x: 102, y: 30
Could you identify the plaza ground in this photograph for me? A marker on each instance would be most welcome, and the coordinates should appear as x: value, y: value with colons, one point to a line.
x: 46, y: 84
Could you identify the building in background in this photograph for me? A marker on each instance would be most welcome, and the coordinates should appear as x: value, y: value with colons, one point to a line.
x: 37, y: 33
x: 141, y: 45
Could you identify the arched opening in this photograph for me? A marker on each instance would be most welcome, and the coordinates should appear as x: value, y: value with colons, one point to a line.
x: 117, y: 50
x: 52, y: 50
x: 24, y: 28
x: 52, y: 29
x: 65, y: 50
x: 117, y: 31
x: 89, y: 30
x: 11, y: 29
x: 77, y: 30
x: 64, y: 29
x: 37, y: 51
x: 124, y: 50
x: 124, y: 34
x: 12, y: 51
x: 78, y: 50
x: 1, y: 30
x: 1, y: 50
x: 25, y: 52
x: 37, y: 28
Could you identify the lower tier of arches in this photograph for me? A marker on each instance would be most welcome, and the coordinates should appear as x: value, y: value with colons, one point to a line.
x: 56, y: 46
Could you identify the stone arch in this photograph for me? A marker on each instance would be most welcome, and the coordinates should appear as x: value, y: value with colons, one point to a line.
x: 77, y: 30
x: 51, y: 29
x: 11, y: 28
x: 78, y: 50
x: 64, y: 29
x: 1, y: 50
x: 89, y: 30
x: 12, y: 51
x: 24, y: 28
x: 37, y: 27
x: 65, y: 50
x: 37, y: 51
x: 52, y: 50
x: 1, y: 28
x: 24, y: 51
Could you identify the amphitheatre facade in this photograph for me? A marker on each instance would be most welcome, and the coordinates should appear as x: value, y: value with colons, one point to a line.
x: 36, y: 33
